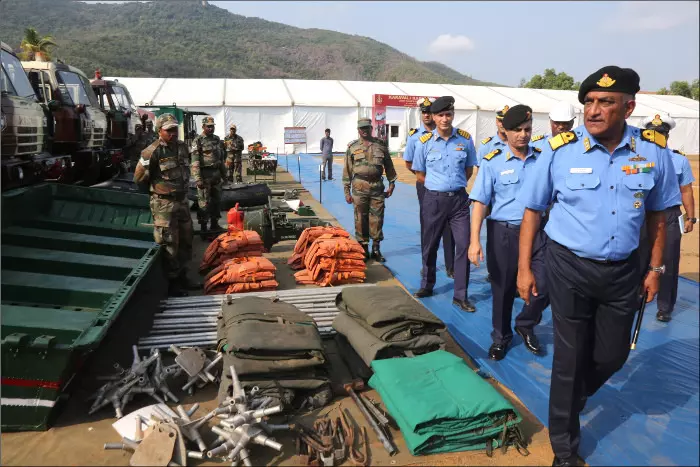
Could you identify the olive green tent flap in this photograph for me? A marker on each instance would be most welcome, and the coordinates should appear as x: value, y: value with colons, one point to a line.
x: 440, y: 404
x: 369, y: 347
x: 389, y: 312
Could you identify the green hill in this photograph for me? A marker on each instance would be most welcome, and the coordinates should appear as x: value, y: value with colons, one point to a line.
x: 183, y: 39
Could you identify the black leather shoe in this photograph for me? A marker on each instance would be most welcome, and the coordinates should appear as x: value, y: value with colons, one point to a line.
x: 422, y: 293
x: 497, y: 352
x: 464, y: 305
x: 450, y: 273
x: 571, y: 461
x: 663, y: 316
x: 529, y: 339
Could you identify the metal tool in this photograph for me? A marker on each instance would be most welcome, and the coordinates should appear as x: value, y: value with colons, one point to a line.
x: 386, y: 442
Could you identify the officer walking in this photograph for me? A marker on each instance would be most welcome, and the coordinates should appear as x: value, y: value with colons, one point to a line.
x: 163, y: 169
x: 208, y: 171
x: 327, y: 155
x: 501, y: 175
x: 561, y: 119
x: 444, y: 162
x: 668, y: 282
x: 427, y: 126
x: 605, y: 178
x: 366, y: 159
x: 234, y: 155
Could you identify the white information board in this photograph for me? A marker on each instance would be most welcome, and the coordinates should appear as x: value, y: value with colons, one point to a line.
x: 294, y: 135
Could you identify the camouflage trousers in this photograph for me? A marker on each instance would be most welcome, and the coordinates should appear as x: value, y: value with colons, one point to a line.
x: 173, y: 231
x: 209, y: 199
x: 368, y: 200
x: 234, y: 165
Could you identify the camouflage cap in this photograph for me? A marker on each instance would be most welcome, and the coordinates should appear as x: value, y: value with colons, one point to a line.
x: 208, y: 120
x: 363, y: 122
x: 166, y: 121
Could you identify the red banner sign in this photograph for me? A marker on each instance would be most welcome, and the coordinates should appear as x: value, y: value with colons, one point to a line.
x: 382, y: 101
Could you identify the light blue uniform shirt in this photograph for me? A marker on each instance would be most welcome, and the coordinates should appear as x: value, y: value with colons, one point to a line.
x: 682, y: 169
x: 485, y: 148
x: 599, y: 208
x: 411, y: 143
x: 541, y: 143
x: 445, y: 161
x: 499, y: 180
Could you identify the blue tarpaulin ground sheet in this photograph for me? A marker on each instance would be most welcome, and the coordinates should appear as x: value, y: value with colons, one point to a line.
x: 647, y: 414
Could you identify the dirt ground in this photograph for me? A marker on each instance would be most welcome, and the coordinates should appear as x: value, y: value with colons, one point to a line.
x: 690, y: 246
x: 78, y: 439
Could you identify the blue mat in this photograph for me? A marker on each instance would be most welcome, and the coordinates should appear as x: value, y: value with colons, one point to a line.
x: 647, y: 414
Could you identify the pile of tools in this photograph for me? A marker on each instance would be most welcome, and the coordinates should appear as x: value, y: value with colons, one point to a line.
x: 192, y: 320
x: 332, y: 260
x: 246, y: 274
x: 232, y: 244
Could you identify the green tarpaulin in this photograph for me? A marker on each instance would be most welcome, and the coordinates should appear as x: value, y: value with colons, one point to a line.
x: 440, y: 404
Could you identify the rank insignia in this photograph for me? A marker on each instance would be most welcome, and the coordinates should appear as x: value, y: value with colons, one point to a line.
x: 639, y: 194
x: 637, y: 158
x: 657, y: 120
x: 605, y: 81
x: 586, y: 144
x: 633, y: 144
x: 637, y: 204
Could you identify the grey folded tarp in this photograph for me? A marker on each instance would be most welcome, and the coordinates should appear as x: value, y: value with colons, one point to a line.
x: 369, y: 347
x: 389, y: 313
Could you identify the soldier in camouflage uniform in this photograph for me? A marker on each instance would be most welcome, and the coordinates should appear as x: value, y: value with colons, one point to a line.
x: 208, y: 172
x: 234, y: 155
x: 163, y: 169
x: 365, y: 162
x: 149, y: 135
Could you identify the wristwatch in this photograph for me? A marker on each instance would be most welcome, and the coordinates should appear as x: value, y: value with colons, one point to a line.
x: 660, y: 269
x: 693, y: 220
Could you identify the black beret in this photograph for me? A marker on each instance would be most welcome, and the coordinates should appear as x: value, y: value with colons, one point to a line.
x: 516, y: 115
x: 612, y: 79
x: 443, y: 103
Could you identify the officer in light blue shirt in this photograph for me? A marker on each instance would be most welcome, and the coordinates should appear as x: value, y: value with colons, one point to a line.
x: 604, y: 178
x: 443, y: 162
x: 561, y: 119
x: 497, y: 141
x: 427, y: 126
x: 668, y: 283
x: 501, y: 175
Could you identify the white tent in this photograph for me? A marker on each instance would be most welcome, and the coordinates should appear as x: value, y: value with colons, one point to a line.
x: 262, y: 108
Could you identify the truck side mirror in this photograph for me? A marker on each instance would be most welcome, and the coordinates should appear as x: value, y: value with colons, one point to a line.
x: 53, y: 105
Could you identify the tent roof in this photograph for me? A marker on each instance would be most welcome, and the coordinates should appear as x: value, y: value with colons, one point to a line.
x: 674, y: 110
x: 539, y: 103
x: 190, y: 92
x: 142, y: 90
x: 483, y: 97
x: 680, y: 100
x: 435, y: 90
x: 363, y: 91
x: 256, y: 93
x: 319, y: 93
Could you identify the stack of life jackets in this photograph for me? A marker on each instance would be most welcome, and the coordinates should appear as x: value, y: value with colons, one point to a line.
x: 296, y: 261
x: 232, y: 244
x: 332, y: 260
x: 245, y: 274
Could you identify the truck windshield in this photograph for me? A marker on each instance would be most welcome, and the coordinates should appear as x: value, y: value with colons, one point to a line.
x: 121, y: 98
x: 13, y: 79
x: 72, y: 84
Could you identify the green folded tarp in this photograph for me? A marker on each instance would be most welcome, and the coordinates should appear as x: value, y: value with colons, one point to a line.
x: 440, y: 404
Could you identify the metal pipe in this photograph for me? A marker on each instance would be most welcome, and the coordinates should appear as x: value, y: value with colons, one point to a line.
x: 273, y: 293
x: 386, y: 442
x: 213, y: 307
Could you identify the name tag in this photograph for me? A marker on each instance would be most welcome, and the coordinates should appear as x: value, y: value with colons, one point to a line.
x: 581, y: 170
x: 508, y: 172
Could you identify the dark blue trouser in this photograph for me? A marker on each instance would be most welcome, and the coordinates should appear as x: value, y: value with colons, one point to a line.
x: 448, y: 244
x: 593, y: 310
x: 502, y: 261
x: 441, y: 210
x: 668, y: 281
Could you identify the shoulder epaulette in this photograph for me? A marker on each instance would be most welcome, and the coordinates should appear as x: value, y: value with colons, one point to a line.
x: 679, y: 152
x: 492, y: 154
x: 352, y: 142
x: 423, y: 139
x: 555, y: 142
x: 537, y: 138
x: 411, y: 131
x: 486, y: 140
x: 537, y: 149
x: 654, y: 137
x: 464, y: 133
x: 148, y: 150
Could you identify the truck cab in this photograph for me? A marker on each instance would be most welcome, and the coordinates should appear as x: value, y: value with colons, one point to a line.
x: 26, y: 129
x: 187, y: 130
x: 122, y: 114
x: 80, y: 125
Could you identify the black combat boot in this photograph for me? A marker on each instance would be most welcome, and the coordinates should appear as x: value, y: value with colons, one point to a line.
x: 175, y: 289
x: 203, y: 231
x: 376, y: 254
x: 215, y: 227
x: 365, y: 247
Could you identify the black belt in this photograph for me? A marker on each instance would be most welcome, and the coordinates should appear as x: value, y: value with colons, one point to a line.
x: 173, y: 196
x: 508, y: 225
x: 367, y: 179
x: 594, y: 261
x: 447, y: 193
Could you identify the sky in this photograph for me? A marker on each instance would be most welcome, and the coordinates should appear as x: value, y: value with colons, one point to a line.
x: 503, y: 42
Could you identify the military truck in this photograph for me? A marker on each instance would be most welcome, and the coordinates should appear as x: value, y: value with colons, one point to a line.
x: 79, y: 125
x: 26, y: 151
x: 188, y: 128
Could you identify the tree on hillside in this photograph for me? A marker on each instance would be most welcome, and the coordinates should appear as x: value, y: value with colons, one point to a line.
x: 682, y: 88
x: 33, y: 43
x: 551, y: 80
